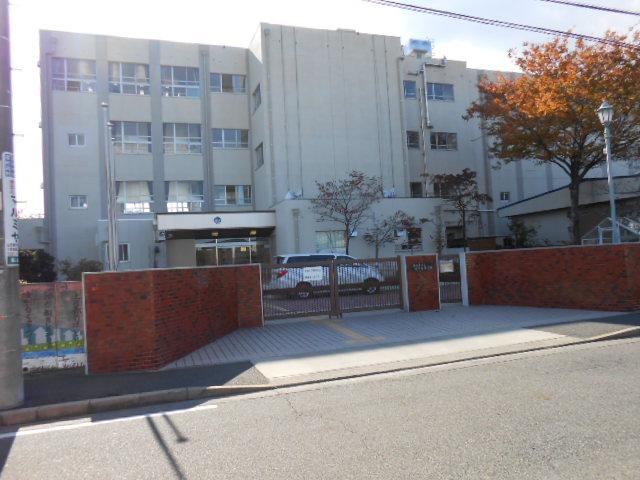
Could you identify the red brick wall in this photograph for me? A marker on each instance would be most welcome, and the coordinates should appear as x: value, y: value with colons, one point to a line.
x: 597, y: 277
x: 142, y: 320
x: 423, y: 287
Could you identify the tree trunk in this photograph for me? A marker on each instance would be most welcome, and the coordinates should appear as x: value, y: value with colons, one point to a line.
x: 347, y: 238
x: 377, y: 249
x: 574, y: 213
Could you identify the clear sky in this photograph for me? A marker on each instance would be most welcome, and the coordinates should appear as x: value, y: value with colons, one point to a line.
x: 233, y: 22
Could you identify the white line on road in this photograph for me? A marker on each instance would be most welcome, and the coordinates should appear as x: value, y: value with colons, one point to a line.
x: 34, y: 431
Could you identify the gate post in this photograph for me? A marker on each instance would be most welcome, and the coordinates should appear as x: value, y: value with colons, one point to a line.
x: 464, y: 285
x: 404, y: 286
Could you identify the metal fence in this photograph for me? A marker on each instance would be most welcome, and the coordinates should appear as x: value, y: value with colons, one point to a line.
x: 450, y: 283
x: 330, y: 287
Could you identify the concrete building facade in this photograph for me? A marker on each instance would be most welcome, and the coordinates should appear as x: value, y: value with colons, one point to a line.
x: 217, y: 150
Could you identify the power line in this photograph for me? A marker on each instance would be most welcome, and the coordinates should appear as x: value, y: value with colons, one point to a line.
x: 593, y: 7
x: 502, y: 23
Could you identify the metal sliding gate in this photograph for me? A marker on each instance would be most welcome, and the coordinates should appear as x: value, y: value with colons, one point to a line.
x: 330, y: 287
x: 450, y: 282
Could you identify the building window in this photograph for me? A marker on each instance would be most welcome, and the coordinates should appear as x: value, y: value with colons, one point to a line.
x: 134, y: 196
x: 228, y: 83
x: 180, y: 81
x: 123, y: 252
x: 440, y: 190
x: 416, y: 189
x: 440, y: 91
x: 444, y: 141
x: 331, y: 241
x: 259, y: 156
x: 184, y: 196
x: 78, y: 202
x: 76, y: 139
x: 230, y: 138
x: 129, y: 78
x: 72, y: 75
x: 411, y: 239
x: 131, y: 137
x: 232, y: 194
x: 409, y: 89
x: 505, y: 196
x: 182, y: 138
x: 256, y: 97
x: 413, y: 139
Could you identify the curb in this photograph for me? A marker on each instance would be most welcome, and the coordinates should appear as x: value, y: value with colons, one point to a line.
x: 55, y: 411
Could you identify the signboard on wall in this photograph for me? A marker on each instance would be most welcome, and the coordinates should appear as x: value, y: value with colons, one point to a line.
x: 10, y: 211
x: 447, y: 266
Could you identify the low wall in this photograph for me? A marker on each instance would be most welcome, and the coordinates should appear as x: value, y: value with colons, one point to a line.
x: 51, y: 325
x: 142, y: 320
x: 604, y: 277
x: 423, y: 287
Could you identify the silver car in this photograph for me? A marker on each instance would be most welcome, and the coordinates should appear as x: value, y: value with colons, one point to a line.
x: 306, y: 278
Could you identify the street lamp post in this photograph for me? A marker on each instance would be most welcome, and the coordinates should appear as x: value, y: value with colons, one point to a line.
x: 605, y: 113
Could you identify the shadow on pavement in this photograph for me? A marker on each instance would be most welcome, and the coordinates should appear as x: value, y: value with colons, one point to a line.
x: 584, y: 329
x: 69, y: 385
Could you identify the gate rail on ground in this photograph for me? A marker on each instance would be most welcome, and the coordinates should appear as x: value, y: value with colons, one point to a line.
x: 330, y: 287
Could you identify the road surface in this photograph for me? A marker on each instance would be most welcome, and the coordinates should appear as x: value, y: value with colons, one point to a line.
x: 564, y: 413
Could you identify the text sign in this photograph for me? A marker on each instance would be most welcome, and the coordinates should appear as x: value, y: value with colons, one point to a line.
x: 312, y: 274
x: 422, y: 267
x: 10, y: 210
x: 447, y: 266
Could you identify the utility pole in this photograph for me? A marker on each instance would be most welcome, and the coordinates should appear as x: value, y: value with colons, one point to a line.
x: 112, y: 239
x: 11, y: 382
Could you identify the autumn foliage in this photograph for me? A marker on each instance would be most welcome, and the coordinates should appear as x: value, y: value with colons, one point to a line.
x: 548, y: 113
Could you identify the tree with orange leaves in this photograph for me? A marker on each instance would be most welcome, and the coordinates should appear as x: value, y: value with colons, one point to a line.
x: 548, y: 113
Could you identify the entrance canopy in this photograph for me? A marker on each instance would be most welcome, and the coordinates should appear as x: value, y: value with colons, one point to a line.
x: 215, y: 224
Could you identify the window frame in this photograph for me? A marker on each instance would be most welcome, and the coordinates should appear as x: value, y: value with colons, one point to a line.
x: 119, y: 146
x: 86, y: 83
x: 127, y: 246
x: 508, y: 196
x: 405, y: 90
x: 256, y: 98
x: 178, y: 206
x: 236, y: 143
x: 234, y: 78
x: 448, y: 145
x: 332, y: 242
x: 84, y: 206
x: 193, y: 143
x: 134, y: 208
x: 141, y: 88
x: 169, y: 88
x: 217, y: 200
x: 259, y: 152
x: 413, y: 145
x: 76, y: 136
x: 411, y: 191
x: 432, y: 95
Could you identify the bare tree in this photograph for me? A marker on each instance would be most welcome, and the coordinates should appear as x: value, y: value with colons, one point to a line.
x: 347, y: 201
x: 460, y: 190
x: 384, y: 230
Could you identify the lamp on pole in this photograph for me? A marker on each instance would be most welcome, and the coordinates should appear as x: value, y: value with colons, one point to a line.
x: 605, y: 114
x: 112, y: 222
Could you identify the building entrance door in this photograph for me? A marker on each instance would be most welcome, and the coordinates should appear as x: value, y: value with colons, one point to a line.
x: 232, y: 251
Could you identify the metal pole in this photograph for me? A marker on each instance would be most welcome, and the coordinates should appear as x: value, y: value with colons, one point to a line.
x: 112, y: 238
x: 615, y: 228
x: 11, y: 381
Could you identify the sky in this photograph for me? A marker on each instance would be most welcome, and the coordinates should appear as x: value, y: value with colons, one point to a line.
x: 234, y: 22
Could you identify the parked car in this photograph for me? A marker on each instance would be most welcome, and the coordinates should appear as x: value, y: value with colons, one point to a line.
x: 303, y: 280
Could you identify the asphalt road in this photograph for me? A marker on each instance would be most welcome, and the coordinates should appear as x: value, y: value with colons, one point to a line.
x: 562, y: 413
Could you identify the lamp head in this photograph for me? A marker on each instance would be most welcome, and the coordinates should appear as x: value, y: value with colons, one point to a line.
x: 605, y: 113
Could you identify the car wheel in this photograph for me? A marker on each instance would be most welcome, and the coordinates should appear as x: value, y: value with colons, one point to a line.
x: 303, y: 291
x: 371, y: 286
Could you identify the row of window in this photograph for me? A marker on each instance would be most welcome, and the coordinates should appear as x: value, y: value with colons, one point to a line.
x: 335, y: 241
x: 76, y: 75
x: 438, y: 140
x: 416, y: 191
x: 135, y: 137
x: 435, y: 91
x: 181, y: 196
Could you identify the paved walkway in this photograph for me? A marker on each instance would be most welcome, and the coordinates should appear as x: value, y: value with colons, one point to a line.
x: 299, y: 347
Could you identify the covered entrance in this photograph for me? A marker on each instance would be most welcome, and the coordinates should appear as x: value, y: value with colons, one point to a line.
x: 216, y: 238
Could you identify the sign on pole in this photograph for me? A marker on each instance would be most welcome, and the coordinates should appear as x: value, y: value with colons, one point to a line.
x: 10, y: 211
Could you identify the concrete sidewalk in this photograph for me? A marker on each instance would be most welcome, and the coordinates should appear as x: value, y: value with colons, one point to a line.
x: 296, y: 348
